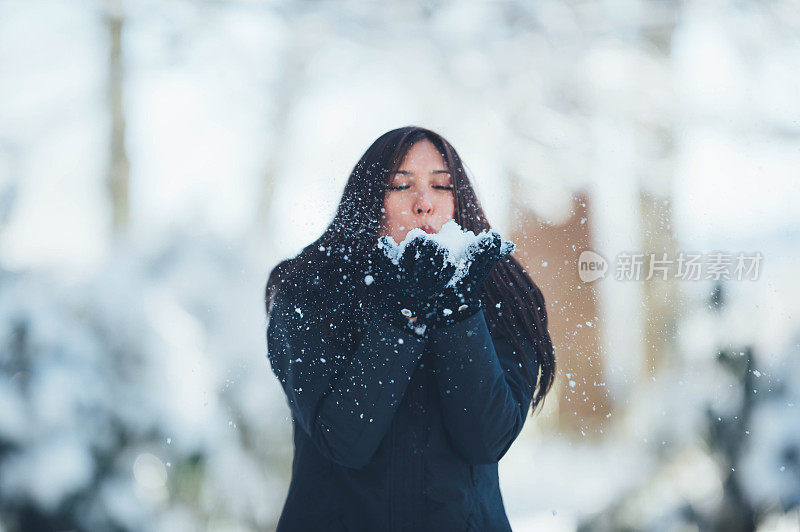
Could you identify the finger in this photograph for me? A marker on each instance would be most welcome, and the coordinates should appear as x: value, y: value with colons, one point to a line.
x: 383, y: 258
x: 429, y: 266
x: 484, y: 243
x: 433, y: 253
x: 410, y: 254
x: 494, y: 241
x: 484, y: 264
x: 448, y: 269
x: 506, y: 248
x: 490, y: 249
x: 387, y: 247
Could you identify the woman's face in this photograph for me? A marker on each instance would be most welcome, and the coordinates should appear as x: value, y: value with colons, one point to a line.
x: 420, y: 194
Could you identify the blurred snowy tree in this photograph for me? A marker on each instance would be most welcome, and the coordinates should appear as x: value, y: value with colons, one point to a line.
x: 127, y: 402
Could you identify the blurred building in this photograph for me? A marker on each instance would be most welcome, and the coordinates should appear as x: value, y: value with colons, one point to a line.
x: 550, y: 254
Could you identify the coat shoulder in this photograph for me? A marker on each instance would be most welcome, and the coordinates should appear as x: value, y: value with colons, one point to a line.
x: 313, y: 295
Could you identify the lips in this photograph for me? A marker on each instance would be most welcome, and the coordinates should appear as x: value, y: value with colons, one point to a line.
x: 428, y: 229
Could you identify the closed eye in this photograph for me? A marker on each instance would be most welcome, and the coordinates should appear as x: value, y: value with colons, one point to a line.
x: 403, y: 187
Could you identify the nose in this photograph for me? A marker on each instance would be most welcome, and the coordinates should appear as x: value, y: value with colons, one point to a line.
x: 423, y: 203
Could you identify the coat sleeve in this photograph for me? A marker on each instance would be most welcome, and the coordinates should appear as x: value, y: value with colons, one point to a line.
x: 345, y: 402
x: 484, y: 391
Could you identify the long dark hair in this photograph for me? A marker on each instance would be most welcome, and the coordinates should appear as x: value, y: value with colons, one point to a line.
x: 512, y: 301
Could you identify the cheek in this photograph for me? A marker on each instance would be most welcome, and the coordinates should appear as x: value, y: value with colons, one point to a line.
x: 447, y: 207
x: 394, y: 208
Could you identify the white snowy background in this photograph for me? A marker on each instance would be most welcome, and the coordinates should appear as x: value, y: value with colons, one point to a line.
x: 134, y: 387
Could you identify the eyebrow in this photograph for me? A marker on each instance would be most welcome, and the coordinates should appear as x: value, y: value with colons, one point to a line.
x: 406, y: 172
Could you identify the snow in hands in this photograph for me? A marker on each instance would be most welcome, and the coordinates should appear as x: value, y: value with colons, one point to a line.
x: 459, y: 246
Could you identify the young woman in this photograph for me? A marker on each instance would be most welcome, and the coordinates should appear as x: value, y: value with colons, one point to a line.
x: 404, y: 392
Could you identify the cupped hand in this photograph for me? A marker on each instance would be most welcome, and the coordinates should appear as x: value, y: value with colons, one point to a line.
x: 410, y: 285
x: 461, y: 299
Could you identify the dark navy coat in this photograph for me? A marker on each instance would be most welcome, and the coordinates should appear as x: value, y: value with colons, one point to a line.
x: 391, y: 431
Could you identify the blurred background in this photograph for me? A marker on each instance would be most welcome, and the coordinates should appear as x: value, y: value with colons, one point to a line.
x: 158, y: 158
